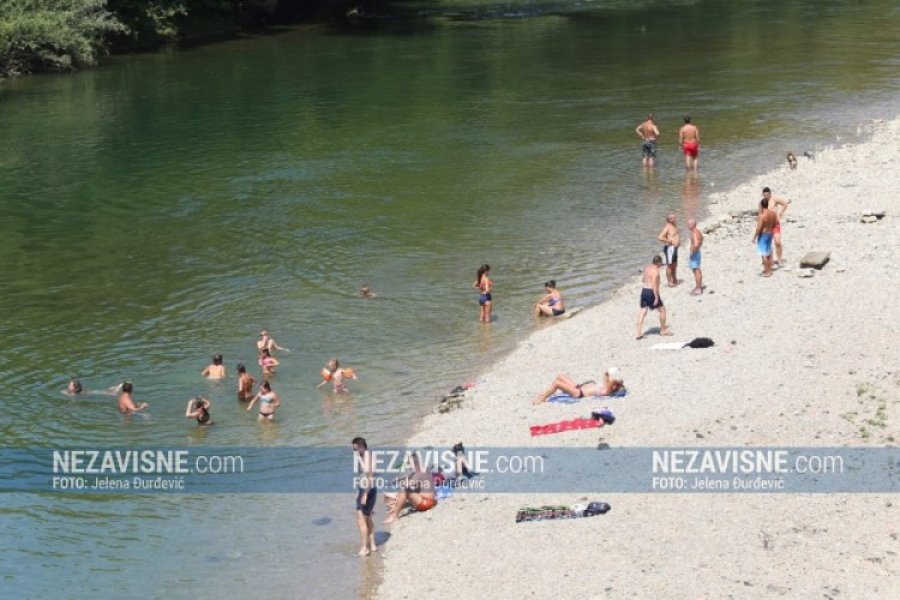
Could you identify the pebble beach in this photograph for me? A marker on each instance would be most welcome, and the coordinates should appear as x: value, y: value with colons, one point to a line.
x: 804, y: 358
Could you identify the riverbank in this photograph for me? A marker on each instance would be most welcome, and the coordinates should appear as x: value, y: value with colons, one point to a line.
x: 798, y: 361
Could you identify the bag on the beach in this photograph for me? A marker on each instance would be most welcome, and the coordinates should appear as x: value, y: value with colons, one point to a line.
x: 701, y: 342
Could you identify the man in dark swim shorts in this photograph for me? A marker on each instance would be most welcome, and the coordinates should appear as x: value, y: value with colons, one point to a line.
x: 650, y: 299
x: 648, y: 131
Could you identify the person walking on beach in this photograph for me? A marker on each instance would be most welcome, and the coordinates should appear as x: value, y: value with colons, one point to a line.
x: 267, y: 342
x: 366, y: 495
x: 485, y: 300
x: 650, y: 299
x: 776, y: 204
x: 671, y: 239
x: 216, y: 370
x: 648, y: 132
x: 765, y: 224
x: 696, y: 243
x: 245, y: 384
x: 689, y: 140
x: 126, y: 400
x: 552, y: 304
x: 268, y: 402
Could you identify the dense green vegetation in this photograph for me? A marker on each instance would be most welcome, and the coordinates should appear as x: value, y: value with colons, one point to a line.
x: 43, y: 35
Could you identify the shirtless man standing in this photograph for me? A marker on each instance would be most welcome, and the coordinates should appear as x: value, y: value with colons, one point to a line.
x: 696, y: 243
x: 650, y: 299
x: 689, y: 140
x: 126, y: 401
x: 765, y: 224
x: 648, y: 131
x: 671, y: 240
x: 782, y: 204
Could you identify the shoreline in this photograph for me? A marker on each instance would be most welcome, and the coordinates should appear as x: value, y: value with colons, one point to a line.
x: 498, y: 410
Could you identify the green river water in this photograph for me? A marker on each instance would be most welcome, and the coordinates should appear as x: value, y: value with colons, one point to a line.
x: 164, y: 207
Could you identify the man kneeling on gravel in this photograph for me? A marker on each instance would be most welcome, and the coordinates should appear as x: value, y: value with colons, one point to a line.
x: 417, y: 489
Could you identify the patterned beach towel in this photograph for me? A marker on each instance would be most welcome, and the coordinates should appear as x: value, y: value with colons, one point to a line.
x: 567, y: 399
x: 565, y: 426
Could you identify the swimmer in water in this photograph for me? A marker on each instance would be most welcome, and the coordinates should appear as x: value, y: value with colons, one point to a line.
x: 126, y: 401
x: 267, y: 342
x: 366, y: 292
x: 335, y: 374
x: 216, y: 370
x: 267, y: 362
x: 485, y: 299
x: 198, y: 408
x: 74, y: 388
x: 245, y: 383
x: 268, y: 402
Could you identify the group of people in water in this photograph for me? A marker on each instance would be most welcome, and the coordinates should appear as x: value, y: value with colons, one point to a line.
x: 199, y: 407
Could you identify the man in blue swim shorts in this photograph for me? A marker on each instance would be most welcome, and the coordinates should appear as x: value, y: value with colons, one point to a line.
x: 765, y: 225
x: 696, y: 242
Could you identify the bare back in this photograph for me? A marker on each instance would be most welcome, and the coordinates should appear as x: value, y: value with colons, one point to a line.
x: 689, y: 133
x: 767, y: 221
x: 651, y: 277
x: 648, y: 130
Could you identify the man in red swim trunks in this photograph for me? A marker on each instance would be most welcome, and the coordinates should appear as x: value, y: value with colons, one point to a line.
x: 417, y: 489
x: 689, y: 140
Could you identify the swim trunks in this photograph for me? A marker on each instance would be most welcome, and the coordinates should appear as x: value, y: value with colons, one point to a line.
x: 691, y: 149
x: 484, y: 298
x: 369, y: 506
x: 647, y: 299
x: 777, y: 228
x: 425, y: 504
x: 695, y: 260
x: 764, y: 244
x: 670, y: 255
x: 648, y: 148
x: 558, y: 311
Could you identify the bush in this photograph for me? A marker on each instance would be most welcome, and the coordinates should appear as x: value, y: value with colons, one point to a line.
x: 40, y: 35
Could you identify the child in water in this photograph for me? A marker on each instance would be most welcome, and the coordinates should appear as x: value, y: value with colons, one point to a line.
x: 245, y: 384
x: 198, y: 408
x: 335, y: 374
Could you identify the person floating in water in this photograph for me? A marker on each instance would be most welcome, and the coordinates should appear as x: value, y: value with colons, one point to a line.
x: 485, y: 300
x: 267, y: 362
x: 74, y: 388
x: 126, y: 401
x: 216, y: 370
x: 648, y: 132
x: 245, y: 383
x: 689, y: 140
x: 366, y: 292
x: 335, y: 374
x: 268, y: 402
x: 198, y: 408
x: 551, y: 305
x: 267, y: 342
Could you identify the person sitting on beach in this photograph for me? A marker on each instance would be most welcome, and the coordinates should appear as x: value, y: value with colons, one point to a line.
x: 268, y: 402
x: 551, y: 305
x: 417, y: 490
x: 335, y: 374
x: 216, y: 370
x: 267, y: 362
x: 366, y: 292
x: 198, y: 408
x: 267, y: 342
x: 245, y: 383
x: 74, y: 388
x: 612, y: 383
x: 126, y: 401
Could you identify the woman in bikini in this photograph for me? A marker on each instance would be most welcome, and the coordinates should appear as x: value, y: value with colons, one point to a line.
x: 198, y: 408
x: 216, y: 370
x: 268, y: 402
x: 612, y: 383
x: 551, y: 305
x: 267, y: 362
x: 484, y: 285
x: 245, y: 384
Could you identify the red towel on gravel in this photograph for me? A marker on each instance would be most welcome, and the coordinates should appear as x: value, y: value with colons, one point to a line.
x: 565, y: 426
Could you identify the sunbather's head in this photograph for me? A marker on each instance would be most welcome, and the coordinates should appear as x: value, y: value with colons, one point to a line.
x: 614, y: 374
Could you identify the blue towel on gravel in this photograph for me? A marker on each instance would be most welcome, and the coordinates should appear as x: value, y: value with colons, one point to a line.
x: 567, y: 399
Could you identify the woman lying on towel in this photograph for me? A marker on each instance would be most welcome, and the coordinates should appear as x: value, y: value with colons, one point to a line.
x: 612, y: 383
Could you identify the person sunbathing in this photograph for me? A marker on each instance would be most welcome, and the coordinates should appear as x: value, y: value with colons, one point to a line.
x: 417, y: 489
x: 612, y: 383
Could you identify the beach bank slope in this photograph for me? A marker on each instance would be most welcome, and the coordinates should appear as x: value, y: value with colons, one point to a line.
x: 798, y: 361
